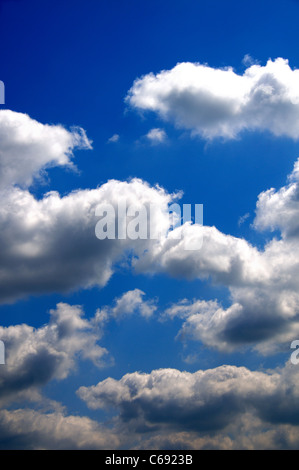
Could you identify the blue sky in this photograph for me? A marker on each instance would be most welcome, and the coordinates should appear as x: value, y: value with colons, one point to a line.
x: 221, y: 126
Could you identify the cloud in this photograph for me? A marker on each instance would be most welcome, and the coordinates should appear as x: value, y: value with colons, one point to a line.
x: 114, y: 138
x: 49, y: 245
x: 243, y: 218
x: 229, y: 260
x: 205, y: 402
x: 248, y: 60
x: 220, y: 103
x: 27, y: 147
x: 156, y: 136
x: 36, y: 356
x: 247, y: 433
x: 129, y: 303
x: 279, y: 210
x: 30, y: 429
x: 263, y: 284
x: 223, y: 408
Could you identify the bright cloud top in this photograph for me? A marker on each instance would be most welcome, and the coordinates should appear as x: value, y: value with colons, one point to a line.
x: 27, y: 147
x: 220, y: 103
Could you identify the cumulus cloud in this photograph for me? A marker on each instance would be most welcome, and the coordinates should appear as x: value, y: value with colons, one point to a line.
x: 246, y: 433
x: 49, y: 245
x: 30, y: 429
x: 36, y: 356
x: 263, y: 283
x: 27, y: 147
x: 215, y: 102
x: 279, y: 209
x: 230, y: 260
x: 129, y: 303
x: 224, y: 408
x: 202, y: 402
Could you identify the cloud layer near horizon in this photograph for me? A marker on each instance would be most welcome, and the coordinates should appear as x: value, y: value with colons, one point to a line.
x: 209, y: 403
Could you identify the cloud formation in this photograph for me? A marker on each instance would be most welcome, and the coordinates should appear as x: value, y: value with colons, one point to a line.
x: 36, y: 356
x: 263, y: 283
x: 213, y: 102
x: 31, y: 429
x: 49, y: 245
x: 129, y: 303
x: 156, y: 136
x: 27, y: 147
x: 204, y: 402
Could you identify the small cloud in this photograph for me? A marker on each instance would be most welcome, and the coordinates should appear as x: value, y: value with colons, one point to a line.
x: 248, y: 60
x: 243, y: 218
x: 191, y: 358
x: 114, y: 138
x: 156, y: 136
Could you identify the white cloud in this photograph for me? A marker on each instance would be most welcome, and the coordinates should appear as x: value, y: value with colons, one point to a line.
x: 129, y: 303
x: 279, y: 210
x: 243, y: 218
x: 224, y: 408
x: 27, y: 147
x: 49, y: 245
x: 114, y: 138
x: 36, y: 356
x: 205, y: 402
x: 263, y: 284
x: 156, y: 136
x: 220, y: 103
x: 30, y: 429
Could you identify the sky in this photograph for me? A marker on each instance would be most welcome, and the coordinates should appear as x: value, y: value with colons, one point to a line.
x: 148, y: 344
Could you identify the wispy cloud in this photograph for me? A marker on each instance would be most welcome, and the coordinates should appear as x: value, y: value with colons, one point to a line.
x: 114, y: 138
x: 156, y: 136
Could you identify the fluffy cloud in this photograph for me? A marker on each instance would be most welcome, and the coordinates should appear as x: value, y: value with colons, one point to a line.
x: 50, y: 244
x: 246, y: 433
x: 204, y: 402
x: 220, y: 103
x: 229, y: 260
x: 30, y: 429
x: 36, y: 356
x: 279, y: 210
x: 263, y: 284
x: 129, y: 303
x: 224, y: 408
x: 27, y: 147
